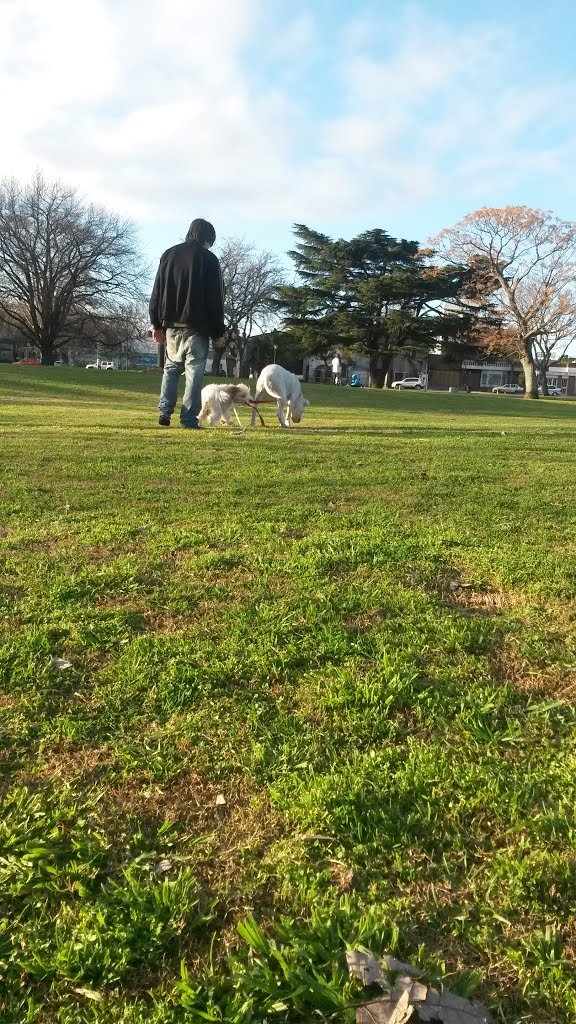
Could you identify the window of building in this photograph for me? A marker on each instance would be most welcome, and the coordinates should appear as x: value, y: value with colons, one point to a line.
x: 491, y: 378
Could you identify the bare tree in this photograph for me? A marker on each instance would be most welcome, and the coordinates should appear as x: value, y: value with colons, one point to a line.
x: 250, y: 281
x: 529, y: 257
x: 548, y: 349
x: 69, y: 270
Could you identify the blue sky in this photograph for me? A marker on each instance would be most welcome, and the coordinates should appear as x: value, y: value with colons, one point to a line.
x: 258, y: 114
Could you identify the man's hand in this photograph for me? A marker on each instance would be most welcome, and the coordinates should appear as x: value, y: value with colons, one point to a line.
x: 158, y: 335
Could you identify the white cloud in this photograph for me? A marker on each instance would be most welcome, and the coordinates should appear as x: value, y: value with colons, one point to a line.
x: 296, y: 39
x: 159, y: 109
x: 45, y: 68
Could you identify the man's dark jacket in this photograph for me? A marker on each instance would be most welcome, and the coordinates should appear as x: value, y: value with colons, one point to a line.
x: 188, y: 290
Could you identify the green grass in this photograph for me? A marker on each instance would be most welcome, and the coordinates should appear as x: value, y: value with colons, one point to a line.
x: 360, y: 633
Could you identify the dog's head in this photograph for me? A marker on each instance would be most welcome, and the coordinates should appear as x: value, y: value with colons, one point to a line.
x: 298, y: 407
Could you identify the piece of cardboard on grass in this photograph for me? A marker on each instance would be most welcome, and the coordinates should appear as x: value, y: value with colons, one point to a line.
x: 384, y: 1011
x: 410, y: 1000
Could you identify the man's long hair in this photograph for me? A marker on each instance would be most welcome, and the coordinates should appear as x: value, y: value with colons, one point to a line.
x: 201, y: 231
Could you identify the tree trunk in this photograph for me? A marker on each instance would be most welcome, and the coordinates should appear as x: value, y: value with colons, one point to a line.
x: 379, y: 367
x: 242, y: 358
x: 529, y: 369
x: 544, y: 384
x: 47, y: 354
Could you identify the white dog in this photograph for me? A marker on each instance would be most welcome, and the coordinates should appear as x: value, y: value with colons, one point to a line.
x: 218, y: 401
x: 285, y: 387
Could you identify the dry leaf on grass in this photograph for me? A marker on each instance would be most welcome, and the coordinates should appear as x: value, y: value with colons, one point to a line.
x: 449, y: 1008
x: 394, y: 965
x: 414, y: 989
x: 367, y: 969
x: 384, y: 1011
x: 61, y: 663
x: 90, y: 993
x: 410, y: 1000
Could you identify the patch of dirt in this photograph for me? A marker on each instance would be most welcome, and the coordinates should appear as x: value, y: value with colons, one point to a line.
x: 460, y: 956
x: 184, y: 800
x: 367, y: 619
x: 558, y: 681
x: 102, y: 552
x: 509, y: 666
x: 70, y: 763
x: 48, y: 544
x: 232, y: 819
x: 567, y: 690
x: 172, y: 622
x: 8, y: 701
x: 480, y: 602
x: 14, y: 594
x: 343, y: 877
x: 471, y: 598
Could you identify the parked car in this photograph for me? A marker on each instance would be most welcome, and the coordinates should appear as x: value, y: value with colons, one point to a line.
x: 552, y: 392
x: 101, y: 364
x: 508, y: 389
x: 27, y: 362
x: 409, y: 382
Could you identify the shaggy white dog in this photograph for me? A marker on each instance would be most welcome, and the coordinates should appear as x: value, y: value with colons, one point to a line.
x: 285, y: 387
x: 219, y: 400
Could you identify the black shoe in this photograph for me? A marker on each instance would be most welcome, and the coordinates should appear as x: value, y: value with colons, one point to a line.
x: 191, y: 426
x: 164, y: 421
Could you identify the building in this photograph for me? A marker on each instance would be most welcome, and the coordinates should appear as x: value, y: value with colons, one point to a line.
x: 7, y: 353
x: 563, y: 377
x: 485, y: 374
x: 442, y: 372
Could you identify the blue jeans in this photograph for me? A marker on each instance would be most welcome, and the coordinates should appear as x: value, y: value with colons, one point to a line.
x: 189, y: 351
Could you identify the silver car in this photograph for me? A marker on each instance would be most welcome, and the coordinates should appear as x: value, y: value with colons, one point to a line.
x: 409, y: 382
x: 508, y: 389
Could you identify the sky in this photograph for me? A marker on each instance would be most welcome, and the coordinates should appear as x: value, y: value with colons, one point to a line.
x: 257, y: 114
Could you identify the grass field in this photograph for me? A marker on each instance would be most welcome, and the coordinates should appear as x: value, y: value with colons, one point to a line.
x: 321, y: 692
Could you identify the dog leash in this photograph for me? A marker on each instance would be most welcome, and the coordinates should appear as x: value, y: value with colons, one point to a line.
x: 252, y: 405
x: 242, y: 429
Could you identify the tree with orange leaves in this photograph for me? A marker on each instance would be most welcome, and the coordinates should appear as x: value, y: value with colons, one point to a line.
x: 528, y: 282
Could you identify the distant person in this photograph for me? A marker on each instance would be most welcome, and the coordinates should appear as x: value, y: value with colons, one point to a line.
x: 355, y: 381
x: 186, y: 309
x: 336, y: 369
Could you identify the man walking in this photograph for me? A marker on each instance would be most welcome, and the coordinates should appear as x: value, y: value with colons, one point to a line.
x: 336, y: 369
x: 186, y: 309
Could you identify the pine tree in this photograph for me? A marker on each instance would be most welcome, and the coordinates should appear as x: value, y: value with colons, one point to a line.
x: 373, y: 294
